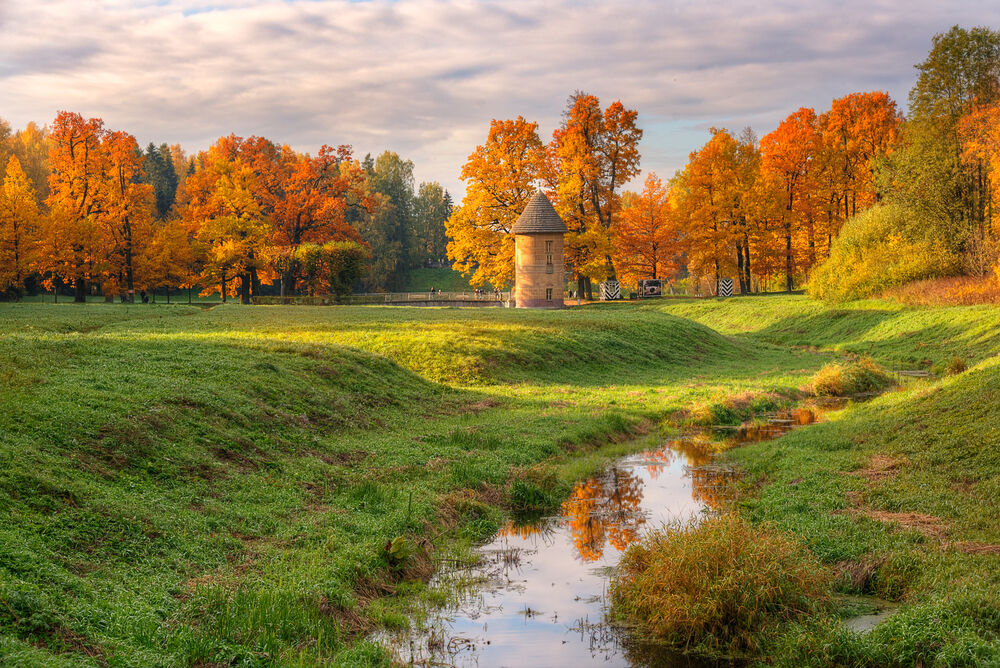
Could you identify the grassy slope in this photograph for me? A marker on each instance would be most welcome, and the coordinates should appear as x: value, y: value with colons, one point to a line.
x: 425, y: 278
x: 939, y: 440
x: 184, y: 486
x: 181, y: 486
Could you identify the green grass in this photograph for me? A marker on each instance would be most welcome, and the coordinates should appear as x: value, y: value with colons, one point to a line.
x: 181, y: 485
x: 425, y: 278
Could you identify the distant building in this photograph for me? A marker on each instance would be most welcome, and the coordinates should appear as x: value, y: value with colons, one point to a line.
x: 538, y: 255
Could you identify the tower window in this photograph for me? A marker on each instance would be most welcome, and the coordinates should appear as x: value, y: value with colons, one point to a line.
x: 548, y: 294
x: 548, y: 246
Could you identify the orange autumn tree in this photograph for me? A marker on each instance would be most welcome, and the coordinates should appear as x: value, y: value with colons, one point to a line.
x: 71, y: 245
x: 979, y: 134
x: 126, y: 213
x: 500, y: 178
x: 861, y: 129
x: 644, y: 236
x: 18, y: 229
x: 306, y: 199
x: 589, y: 160
x: 709, y: 203
x: 787, y: 157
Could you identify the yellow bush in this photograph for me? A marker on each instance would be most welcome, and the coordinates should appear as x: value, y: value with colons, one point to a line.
x: 878, y: 249
x: 845, y: 379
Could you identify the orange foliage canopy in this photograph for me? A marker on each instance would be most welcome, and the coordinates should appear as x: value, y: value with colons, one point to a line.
x: 645, y: 237
x: 500, y: 178
x: 252, y: 203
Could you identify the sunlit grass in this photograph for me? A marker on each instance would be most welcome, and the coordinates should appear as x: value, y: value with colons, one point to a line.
x: 180, y: 485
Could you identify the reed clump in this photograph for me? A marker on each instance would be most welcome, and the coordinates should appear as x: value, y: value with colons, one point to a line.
x: 718, y: 587
x: 845, y: 379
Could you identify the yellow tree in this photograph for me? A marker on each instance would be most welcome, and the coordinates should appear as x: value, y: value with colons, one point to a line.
x: 167, y: 260
x: 644, y: 236
x: 31, y: 146
x: 18, y: 228
x: 230, y: 228
x: 500, y: 178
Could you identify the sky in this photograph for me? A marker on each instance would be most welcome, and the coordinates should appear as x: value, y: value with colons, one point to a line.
x: 424, y: 78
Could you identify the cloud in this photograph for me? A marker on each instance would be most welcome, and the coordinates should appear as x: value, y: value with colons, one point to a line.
x: 424, y: 77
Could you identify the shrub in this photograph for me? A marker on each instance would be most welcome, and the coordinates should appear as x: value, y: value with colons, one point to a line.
x: 718, y: 586
x: 845, y: 379
x: 956, y: 366
x: 878, y: 249
x: 737, y: 408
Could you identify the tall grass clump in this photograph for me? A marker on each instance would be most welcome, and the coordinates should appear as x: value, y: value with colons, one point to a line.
x: 879, y: 249
x: 718, y: 587
x: 845, y: 379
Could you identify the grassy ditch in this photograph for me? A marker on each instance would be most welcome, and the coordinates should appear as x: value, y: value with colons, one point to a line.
x: 266, y: 485
x: 184, y: 486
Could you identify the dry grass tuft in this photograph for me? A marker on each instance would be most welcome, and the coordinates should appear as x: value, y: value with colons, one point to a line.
x: 881, y: 467
x: 954, y: 291
x: 845, y: 379
x: 718, y: 586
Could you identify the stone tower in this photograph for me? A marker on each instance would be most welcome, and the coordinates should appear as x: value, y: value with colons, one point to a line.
x: 538, y: 255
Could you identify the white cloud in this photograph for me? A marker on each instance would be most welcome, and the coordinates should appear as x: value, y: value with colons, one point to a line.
x: 424, y: 77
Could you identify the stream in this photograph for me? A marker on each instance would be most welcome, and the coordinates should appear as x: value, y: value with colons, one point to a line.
x: 541, y: 592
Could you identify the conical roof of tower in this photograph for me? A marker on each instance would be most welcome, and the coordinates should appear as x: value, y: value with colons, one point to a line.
x: 539, y: 217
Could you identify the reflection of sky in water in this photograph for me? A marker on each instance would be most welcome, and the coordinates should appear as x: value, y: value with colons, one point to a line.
x: 562, y: 576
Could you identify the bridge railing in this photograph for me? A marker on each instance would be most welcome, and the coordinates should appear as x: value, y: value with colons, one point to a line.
x: 386, y: 298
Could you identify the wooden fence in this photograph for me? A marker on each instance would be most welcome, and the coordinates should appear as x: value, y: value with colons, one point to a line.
x: 395, y: 298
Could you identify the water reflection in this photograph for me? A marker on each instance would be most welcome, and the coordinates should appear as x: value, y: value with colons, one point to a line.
x: 607, y: 509
x: 543, y: 598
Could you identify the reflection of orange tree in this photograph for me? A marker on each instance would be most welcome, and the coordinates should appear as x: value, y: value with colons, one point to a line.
x: 523, y: 531
x: 657, y: 460
x: 696, y: 452
x: 605, y: 509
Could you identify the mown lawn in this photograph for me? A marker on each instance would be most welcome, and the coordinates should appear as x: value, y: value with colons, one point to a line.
x: 181, y: 486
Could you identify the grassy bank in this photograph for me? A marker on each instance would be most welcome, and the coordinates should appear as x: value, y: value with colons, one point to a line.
x: 184, y: 486
x: 898, y: 496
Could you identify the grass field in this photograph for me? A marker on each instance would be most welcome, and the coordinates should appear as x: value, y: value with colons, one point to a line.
x: 423, y: 279
x: 182, y: 486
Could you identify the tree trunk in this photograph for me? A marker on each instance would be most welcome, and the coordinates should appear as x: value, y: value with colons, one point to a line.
x: 254, y: 282
x: 746, y: 259
x: 129, y: 282
x: 80, y: 294
x: 739, y: 268
x: 581, y: 286
x: 245, y: 288
x: 788, y: 260
x: 590, y: 288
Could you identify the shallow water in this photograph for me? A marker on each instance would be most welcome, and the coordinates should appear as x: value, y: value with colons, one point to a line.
x: 542, y: 598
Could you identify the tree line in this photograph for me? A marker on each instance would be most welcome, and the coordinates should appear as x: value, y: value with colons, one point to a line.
x: 84, y: 209
x: 766, y: 213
